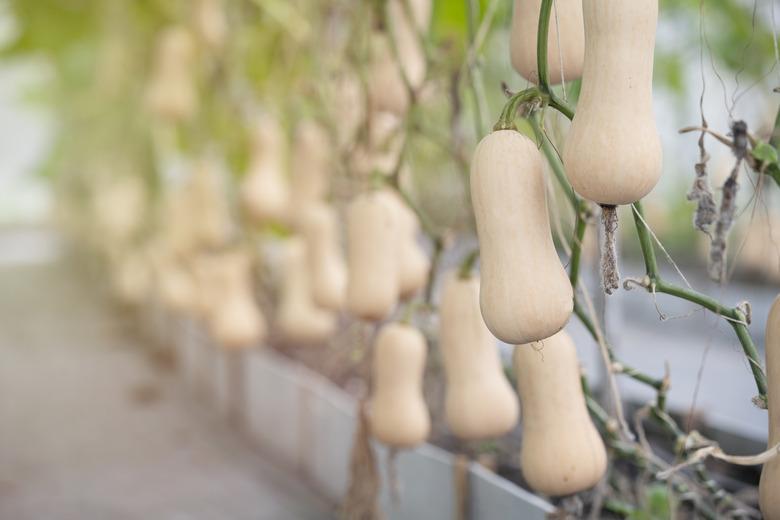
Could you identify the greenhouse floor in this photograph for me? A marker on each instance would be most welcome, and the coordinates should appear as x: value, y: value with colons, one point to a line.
x: 92, y: 428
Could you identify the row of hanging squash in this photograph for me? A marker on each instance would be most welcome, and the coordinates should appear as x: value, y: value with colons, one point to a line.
x: 524, y: 297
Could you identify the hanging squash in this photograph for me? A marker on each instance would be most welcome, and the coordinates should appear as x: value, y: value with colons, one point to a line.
x: 769, y: 498
x: 565, y: 40
x: 235, y: 320
x: 264, y: 190
x: 372, y: 258
x: 562, y: 451
x: 171, y: 92
x: 327, y: 270
x: 620, y: 162
x: 299, y: 320
x: 399, y: 416
x: 525, y: 295
x: 480, y: 403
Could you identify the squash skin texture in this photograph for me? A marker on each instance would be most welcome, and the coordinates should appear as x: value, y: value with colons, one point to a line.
x: 562, y: 451
x: 399, y: 416
x: 525, y: 295
x: 325, y: 259
x: 613, y: 153
x: 570, y: 52
x: 769, y: 487
x: 372, y: 259
x: 480, y: 403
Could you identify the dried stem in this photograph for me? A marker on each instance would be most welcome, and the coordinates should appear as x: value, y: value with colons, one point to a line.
x: 610, y: 275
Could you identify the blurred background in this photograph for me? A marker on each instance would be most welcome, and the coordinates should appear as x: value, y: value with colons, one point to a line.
x: 108, y: 181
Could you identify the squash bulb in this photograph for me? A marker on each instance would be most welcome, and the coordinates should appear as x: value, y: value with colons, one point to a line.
x: 413, y: 263
x: 209, y: 212
x: 310, y: 168
x: 372, y: 257
x: 612, y: 154
x: 565, y: 46
x: 404, y: 32
x: 562, y: 451
x: 387, y: 91
x: 769, y: 498
x: 327, y: 268
x: 236, y: 320
x: 299, y: 320
x: 211, y: 23
x: 171, y: 93
x: 264, y: 190
x: 131, y: 277
x: 398, y: 413
x: 480, y: 403
x: 525, y: 295
x: 177, y: 289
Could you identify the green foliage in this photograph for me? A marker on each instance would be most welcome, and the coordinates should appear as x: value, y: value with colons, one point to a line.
x: 657, y: 504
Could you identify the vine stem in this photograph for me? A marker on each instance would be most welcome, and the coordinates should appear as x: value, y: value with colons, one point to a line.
x: 735, y: 316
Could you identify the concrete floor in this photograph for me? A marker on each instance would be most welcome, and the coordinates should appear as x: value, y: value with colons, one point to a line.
x: 91, y: 429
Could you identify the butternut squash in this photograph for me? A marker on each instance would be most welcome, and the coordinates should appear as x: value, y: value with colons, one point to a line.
x: 769, y: 498
x: 349, y: 105
x: 562, y: 451
x: 299, y: 320
x: 175, y: 284
x: 413, y: 263
x: 480, y: 403
x: 264, y: 190
x: 211, y: 23
x: 398, y: 414
x: 119, y: 207
x: 565, y: 40
x: 405, y: 32
x: 525, y: 295
x: 171, y: 93
x: 209, y: 212
x: 310, y: 166
x: 613, y: 152
x: 381, y: 150
x: 372, y: 259
x: 325, y: 261
x: 387, y: 91
x: 235, y: 320
x: 131, y: 277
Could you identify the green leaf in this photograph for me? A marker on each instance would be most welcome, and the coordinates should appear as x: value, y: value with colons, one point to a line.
x: 765, y: 153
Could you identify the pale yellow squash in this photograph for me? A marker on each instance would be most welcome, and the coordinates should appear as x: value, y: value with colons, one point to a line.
x: 405, y: 33
x: 209, y: 211
x: 480, y: 403
x: 326, y: 265
x: 398, y: 413
x: 235, y: 319
x: 372, y: 257
x: 525, y: 295
x: 211, y: 23
x: 387, y: 91
x: 565, y: 40
x: 769, y: 488
x: 310, y: 168
x: 171, y: 92
x: 413, y: 262
x: 299, y: 320
x: 562, y: 451
x: 613, y: 152
x: 264, y: 190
